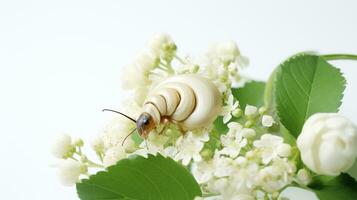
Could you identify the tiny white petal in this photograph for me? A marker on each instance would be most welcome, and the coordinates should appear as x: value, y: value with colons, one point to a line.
x: 267, y: 120
x: 69, y: 171
x: 62, y: 146
x: 250, y: 110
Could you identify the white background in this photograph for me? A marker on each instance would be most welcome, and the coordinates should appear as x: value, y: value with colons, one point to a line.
x: 60, y: 63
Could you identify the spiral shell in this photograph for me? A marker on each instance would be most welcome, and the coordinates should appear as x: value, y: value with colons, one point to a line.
x: 189, y: 100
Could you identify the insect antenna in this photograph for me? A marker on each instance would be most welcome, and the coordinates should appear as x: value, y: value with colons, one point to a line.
x: 126, y: 137
x: 120, y: 113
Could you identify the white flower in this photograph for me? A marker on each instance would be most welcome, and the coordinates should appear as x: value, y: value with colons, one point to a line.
x: 284, y: 150
x: 248, y: 133
x: 268, y: 145
x: 62, y: 147
x: 303, y: 177
x: 276, y: 176
x: 153, y: 145
x: 224, y: 165
x: 69, y: 171
x: 328, y: 143
x: 189, y: 148
x: 146, y: 62
x: 169, y: 151
x: 229, y: 108
x: 113, y: 155
x: 244, y: 176
x: 133, y: 77
x: 233, y: 141
x: 250, y: 110
x: 267, y: 120
x: 115, y: 132
x: 162, y: 45
x: 98, y: 145
x: 203, y: 171
x: 225, y: 51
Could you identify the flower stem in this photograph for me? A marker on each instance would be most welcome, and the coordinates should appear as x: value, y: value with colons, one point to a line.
x: 340, y: 57
x: 93, y: 164
x: 180, y: 60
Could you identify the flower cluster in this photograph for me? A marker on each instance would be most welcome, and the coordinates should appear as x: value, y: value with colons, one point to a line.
x: 247, y: 160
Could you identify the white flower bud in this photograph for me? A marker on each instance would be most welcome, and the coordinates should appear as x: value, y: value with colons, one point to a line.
x: 78, y: 142
x: 113, y: 155
x: 267, y: 120
x: 227, y: 51
x: 303, y: 177
x: 328, y: 143
x: 284, y: 150
x: 262, y: 110
x: 237, y: 112
x: 250, y: 110
x: 62, y: 146
x: 146, y: 62
x: 162, y: 45
x: 69, y: 171
x: 98, y: 145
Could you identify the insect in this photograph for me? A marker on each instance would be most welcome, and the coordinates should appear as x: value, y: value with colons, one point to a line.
x: 189, y: 101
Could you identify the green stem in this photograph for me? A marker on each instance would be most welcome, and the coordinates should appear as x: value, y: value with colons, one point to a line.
x: 93, y: 164
x: 180, y: 60
x: 340, y: 57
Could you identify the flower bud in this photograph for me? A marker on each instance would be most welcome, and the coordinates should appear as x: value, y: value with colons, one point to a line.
x: 237, y: 112
x: 69, y: 171
x: 267, y: 121
x: 78, y: 142
x: 303, y: 177
x: 250, y: 111
x: 98, y: 145
x: 328, y: 143
x: 62, y: 147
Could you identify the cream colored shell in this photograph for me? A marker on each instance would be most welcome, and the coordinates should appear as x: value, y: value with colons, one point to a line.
x: 189, y: 100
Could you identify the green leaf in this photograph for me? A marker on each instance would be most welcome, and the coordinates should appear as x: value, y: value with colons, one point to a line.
x: 219, y: 126
x: 251, y: 93
x: 333, y: 188
x: 306, y: 84
x: 140, y: 178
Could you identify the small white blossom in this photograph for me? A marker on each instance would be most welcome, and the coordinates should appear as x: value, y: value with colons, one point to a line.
x: 268, y: 145
x: 153, y: 145
x: 146, y: 62
x: 203, y: 171
x: 69, y: 171
x: 233, y: 141
x: 115, y: 132
x: 229, y: 108
x: 284, y: 150
x: 98, y: 145
x: 267, y: 120
x: 188, y: 149
x: 250, y: 110
x: 113, y: 155
x: 303, y: 177
x: 276, y: 176
x: 62, y: 146
x: 162, y: 46
x: 225, y: 51
x: 248, y: 133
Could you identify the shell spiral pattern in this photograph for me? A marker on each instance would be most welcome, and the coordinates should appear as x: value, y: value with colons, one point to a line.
x: 189, y: 100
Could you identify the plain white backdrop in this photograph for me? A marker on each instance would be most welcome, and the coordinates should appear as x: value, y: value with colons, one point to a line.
x: 60, y: 63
